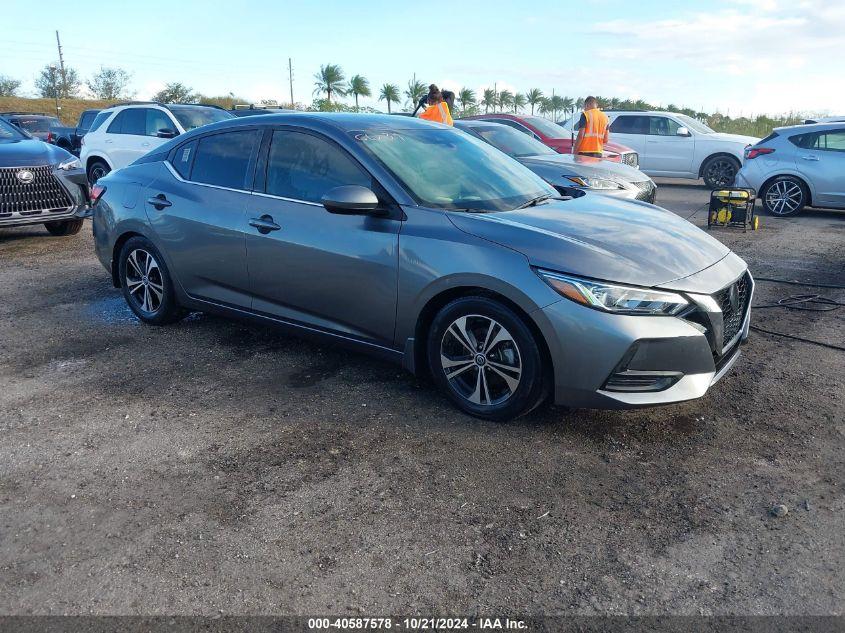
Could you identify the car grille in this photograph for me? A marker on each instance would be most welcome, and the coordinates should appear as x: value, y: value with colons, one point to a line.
x: 44, y: 194
x: 631, y: 158
x: 648, y: 190
x: 733, y: 312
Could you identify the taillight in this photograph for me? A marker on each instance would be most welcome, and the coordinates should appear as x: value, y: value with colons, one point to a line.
x: 754, y: 152
x: 97, y: 192
x: 49, y: 137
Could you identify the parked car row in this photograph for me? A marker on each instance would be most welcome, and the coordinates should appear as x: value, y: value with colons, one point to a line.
x: 426, y: 245
x: 49, y: 128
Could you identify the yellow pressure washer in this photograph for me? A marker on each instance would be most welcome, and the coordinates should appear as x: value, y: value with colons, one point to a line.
x: 733, y: 208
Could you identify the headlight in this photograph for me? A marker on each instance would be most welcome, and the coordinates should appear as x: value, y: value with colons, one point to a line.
x: 615, y: 298
x: 71, y: 163
x: 595, y: 183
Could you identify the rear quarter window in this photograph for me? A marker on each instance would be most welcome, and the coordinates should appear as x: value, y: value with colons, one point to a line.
x: 182, y: 158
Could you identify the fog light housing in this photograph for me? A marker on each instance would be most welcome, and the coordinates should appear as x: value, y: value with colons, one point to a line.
x: 639, y: 380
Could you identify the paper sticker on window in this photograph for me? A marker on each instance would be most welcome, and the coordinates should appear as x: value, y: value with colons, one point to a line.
x: 186, y: 154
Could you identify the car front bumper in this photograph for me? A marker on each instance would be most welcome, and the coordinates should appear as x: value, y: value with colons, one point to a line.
x: 611, y: 361
x: 63, y: 195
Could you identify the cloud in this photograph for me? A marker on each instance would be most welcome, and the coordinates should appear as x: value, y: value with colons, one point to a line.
x: 787, y: 59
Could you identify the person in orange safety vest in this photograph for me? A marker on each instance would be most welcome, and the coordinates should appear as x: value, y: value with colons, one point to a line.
x: 438, y: 109
x: 592, y: 130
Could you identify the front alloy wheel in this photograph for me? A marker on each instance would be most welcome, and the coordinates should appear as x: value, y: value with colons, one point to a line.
x: 481, y: 360
x: 484, y: 356
x: 720, y: 171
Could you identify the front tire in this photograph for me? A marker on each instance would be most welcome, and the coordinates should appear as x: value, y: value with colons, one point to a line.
x: 720, y: 171
x: 96, y: 170
x: 64, y: 228
x: 146, y: 283
x: 784, y: 196
x: 486, y: 359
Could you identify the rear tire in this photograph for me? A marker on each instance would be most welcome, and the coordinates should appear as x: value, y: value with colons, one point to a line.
x: 63, y: 228
x: 146, y: 283
x: 97, y: 170
x: 720, y: 171
x: 784, y: 196
x: 486, y: 359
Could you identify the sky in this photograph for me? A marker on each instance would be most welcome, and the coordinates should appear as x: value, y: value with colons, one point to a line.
x: 739, y: 57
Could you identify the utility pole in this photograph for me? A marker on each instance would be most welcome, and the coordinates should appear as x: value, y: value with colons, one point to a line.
x: 290, y: 76
x: 61, y: 59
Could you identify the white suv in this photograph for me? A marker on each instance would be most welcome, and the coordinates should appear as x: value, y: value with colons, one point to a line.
x: 677, y: 146
x: 123, y: 133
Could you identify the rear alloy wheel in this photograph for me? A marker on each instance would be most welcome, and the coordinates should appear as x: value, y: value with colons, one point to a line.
x: 486, y: 359
x: 720, y: 171
x: 96, y: 170
x: 784, y: 196
x: 146, y: 283
x: 64, y: 228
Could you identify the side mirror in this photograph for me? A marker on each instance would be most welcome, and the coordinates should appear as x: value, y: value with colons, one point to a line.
x: 682, y: 131
x: 351, y: 200
x: 165, y: 133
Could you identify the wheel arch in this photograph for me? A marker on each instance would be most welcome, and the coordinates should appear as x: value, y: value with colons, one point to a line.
x: 115, y: 256
x: 97, y: 157
x: 438, y: 301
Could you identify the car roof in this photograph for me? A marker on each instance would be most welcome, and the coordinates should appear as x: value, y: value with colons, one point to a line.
x: 478, y: 123
x: 28, y: 114
x: 810, y: 127
x: 345, y: 122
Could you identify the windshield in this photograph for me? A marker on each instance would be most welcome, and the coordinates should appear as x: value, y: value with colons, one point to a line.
x: 41, y: 124
x: 190, y: 117
x: 9, y: 132
x: 511, y: 142
x: 545, y: 127
x: 448, y: 170
x: 692, y: 124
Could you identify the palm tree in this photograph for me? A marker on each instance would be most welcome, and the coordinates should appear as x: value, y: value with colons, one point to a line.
x: 389, y: 92
x: 534, y: 97
x: 330, y: 80
x: 359, y: 85
x: 555, y: 105
x: 579, y: 103
x: 505, y: 100
x: 489, y: 100
x: 519, y: 102
x: 545, y: 104
x: 568, y: 105
x: 416, y: 91
x: 466, y: 97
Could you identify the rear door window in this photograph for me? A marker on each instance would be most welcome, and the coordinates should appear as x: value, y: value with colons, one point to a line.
x: 627, y: 124
x: 223, y: 159
x: 662, y: 126
x: 130, y: 121
x: 832, y: 141
x: 304, y: 167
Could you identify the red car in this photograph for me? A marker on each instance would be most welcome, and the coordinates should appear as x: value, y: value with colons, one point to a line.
x: 553, y: 135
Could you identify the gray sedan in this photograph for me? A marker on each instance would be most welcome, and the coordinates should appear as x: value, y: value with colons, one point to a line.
x: 564, y: 171
x: 423, y: 245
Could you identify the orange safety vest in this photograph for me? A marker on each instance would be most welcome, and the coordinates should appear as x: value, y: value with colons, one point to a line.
x: 595, y: 131
x: 438, y: 113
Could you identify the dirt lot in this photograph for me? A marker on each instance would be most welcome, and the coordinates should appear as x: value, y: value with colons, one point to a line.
x: 215, y: 466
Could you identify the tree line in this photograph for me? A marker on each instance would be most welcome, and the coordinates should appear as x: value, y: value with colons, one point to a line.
x: 331, y: 86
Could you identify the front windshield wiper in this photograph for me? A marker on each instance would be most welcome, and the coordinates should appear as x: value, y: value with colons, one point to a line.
x: 533, y: 202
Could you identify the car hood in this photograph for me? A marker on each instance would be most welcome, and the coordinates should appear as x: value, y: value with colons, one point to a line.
x: 585, y: 166
x: 600, y: 237
x: 732, y: 138
x: 30, y: 152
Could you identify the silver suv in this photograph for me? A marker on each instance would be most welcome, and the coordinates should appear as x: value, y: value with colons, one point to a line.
x: 797, y: 166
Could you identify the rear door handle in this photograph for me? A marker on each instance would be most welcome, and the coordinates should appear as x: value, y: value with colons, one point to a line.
x: 810, y: 157
x: 264, y: 224
x: 159, y: 202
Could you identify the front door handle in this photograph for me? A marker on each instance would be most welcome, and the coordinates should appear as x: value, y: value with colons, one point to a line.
x: 159, y: 202
x: 264, y: 224
x: 810, y: 157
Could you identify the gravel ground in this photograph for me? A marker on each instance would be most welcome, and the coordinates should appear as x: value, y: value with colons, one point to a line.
x: 214, y: 466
